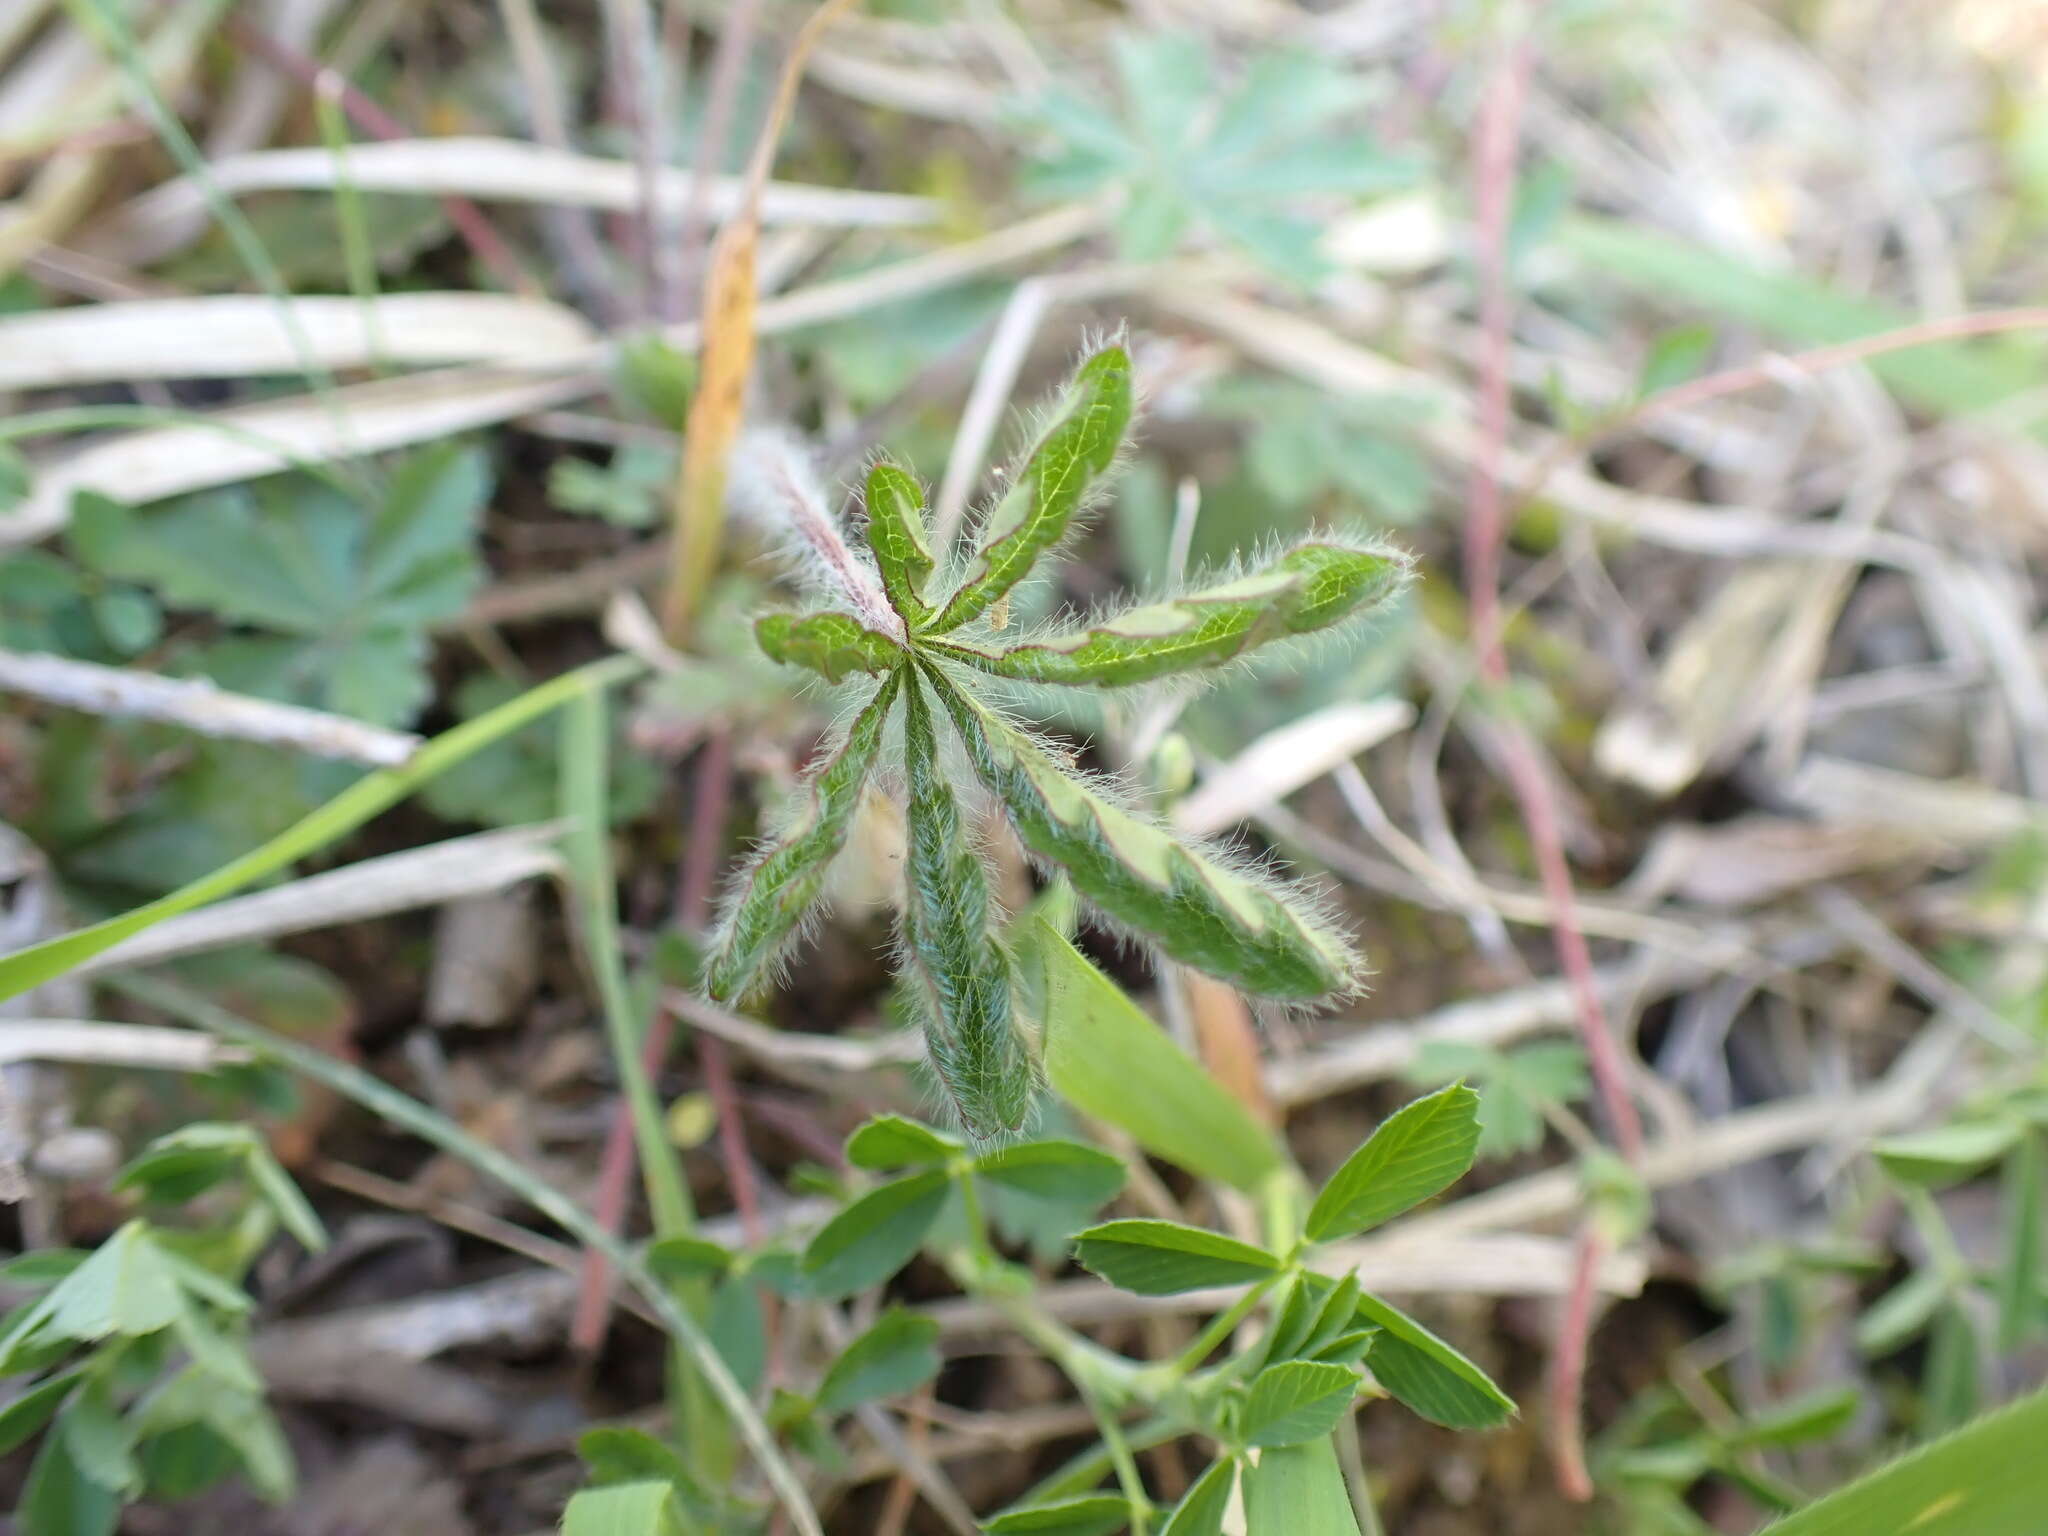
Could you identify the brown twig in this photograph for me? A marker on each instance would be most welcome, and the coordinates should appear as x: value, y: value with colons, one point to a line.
x: 469, y: 220
x: 1494, y: 170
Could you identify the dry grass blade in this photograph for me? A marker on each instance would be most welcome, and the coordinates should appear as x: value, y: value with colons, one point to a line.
x: 395, y: 882
x: 497, y: 170
x: 248, y: 441
x: 198, y: 705
x: 725, y: 360
x: 232, y: 336
x: 93, y: 1043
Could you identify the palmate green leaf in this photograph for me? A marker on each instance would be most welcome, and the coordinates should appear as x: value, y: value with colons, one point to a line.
x: 1299, y: 1489
x: 1098, y: 1042
x: 1229, y: 923
x: 339, y: 595
x: 899, y: 1353
x: 31, y: 967
x: 1316, y: 585
x: 1035, y: 514
x: 890, y: 1141
x: 960, y: 975
x: 1428, y: 1375
x: 834, y: 645
x: 1201, y: 1509
x: 1419, y: 1151
x: 778, y: 889
x: 1295, y: 1401
x: 1986, y: 1479
x: 1236, y: 156
x: 875, y: 1236
x: 898, y: 539
x: 1164, y: 1258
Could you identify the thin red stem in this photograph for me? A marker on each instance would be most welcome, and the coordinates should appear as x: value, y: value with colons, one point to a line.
x: 1565, y: 1388
x: 1494, y: 152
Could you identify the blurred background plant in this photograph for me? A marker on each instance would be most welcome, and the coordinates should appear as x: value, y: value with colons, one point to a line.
x: 360, y: 363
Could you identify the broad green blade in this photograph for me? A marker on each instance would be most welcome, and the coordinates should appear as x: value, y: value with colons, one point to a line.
x: 897, y: 536
x: 769, y: 902
x: 1229, y: 922
x: 831, y: 644
x: 1098, y: 1042
x: 1075, y: 452
x: 1986, y: 1479
x: 1313, y: 586
x: 960, y: 974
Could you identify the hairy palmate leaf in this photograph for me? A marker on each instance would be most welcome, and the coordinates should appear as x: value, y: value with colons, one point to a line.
x: 772, y: 898
x: 1206, y: 910
x: 1313, y: 586
x: 1230, y: 922
x: 1074, y: 453
x: 962, y: 976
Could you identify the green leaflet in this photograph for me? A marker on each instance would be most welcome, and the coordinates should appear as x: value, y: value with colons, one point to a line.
x: 1311, y: 587
x: 962, y: 976
x: 1229, y: 924
x: 1072, y: 455
x: 787, y: 876
x: 896, y: 535
x: 832, y: 644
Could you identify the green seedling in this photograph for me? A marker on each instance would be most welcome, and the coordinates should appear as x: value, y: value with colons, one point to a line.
x: 930, y: 632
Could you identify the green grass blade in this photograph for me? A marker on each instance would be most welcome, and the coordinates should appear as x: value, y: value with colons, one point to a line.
x: 1074, y: 454
x: 586, y: 777
x: 831, y: 644
x: 376, y: 792
x: 768, y: 904
x: 383, y: 1100
x: 1228, y: 922
x: 899, y: 541
x: 1317, y: 585
x: 959, y: 973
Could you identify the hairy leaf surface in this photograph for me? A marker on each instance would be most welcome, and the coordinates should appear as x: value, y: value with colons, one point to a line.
x: 1072, y: 455
x: 962, y: 976
x: 790, y: 872
x: 1314, y: 586
x: 896, y: 535
x: 1222, y: 921
x: 831, y: 644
